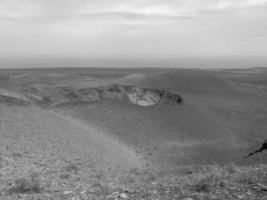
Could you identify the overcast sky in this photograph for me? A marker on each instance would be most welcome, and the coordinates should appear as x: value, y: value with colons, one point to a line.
x: 133, y: 27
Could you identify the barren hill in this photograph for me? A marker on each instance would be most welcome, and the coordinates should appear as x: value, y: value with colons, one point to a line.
x: 186, y: 80
x: 36, y: 132
x: 165, y: 135
x: 107, y: 135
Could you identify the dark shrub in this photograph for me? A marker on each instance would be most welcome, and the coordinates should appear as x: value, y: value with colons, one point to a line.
x: 26, y: 185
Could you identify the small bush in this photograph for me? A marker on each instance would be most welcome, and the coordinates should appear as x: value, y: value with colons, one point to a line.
x: 17, y: 155
x: 72, y: 168
x: 24, y: 185
x: 202, y: 187
x: 64, y: 176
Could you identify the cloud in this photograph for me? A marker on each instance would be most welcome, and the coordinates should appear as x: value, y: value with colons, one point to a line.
x: 133, y: 26
x: 107, y: 10
x: 12, y: 10
x: 264, y: 37
x: 119, y: 16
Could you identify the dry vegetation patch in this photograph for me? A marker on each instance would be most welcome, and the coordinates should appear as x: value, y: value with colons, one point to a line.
x: 25, y: 185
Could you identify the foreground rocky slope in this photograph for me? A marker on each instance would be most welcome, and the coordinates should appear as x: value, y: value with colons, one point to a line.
x: 49, y: 157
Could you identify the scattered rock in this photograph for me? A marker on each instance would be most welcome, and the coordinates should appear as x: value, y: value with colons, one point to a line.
x: 124, y: 196
x: 241, y: 196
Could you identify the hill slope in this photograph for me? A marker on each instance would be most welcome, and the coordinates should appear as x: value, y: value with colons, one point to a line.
x: 186, y: 80
x: 164, y: 135
x: 46, y: 135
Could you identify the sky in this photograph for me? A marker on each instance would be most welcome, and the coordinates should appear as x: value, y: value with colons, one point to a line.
x: 145, y: 28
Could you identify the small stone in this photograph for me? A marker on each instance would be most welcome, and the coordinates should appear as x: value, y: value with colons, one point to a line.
x: 113, y: 195
x: 124, y: 196
x: 241, y: 196
x: 262, y: 187
x: 83, y: 192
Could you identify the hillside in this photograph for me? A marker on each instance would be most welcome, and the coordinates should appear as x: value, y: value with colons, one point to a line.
x: 186, y: 80
x: 45, y: 134
x: 165, y: 135
x: 157, y: 135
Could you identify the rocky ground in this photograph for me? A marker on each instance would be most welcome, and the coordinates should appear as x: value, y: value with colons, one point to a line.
x: 49, y: 155
x: 25, y: 177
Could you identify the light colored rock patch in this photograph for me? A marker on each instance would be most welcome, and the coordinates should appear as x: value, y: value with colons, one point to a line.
x: 12, y: 94
x: 143, y: 97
